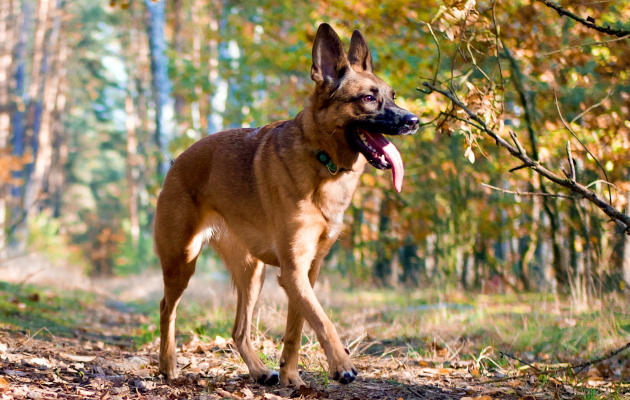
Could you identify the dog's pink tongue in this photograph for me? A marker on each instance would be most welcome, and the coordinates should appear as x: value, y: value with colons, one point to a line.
x: 398, y: 170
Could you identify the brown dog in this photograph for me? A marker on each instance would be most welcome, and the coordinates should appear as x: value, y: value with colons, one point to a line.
x: 276, y: 195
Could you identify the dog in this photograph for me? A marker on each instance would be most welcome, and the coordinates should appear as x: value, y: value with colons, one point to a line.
x: 276, y: 196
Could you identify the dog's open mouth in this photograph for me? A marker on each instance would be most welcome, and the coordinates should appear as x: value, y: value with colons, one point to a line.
x: 380, y: 153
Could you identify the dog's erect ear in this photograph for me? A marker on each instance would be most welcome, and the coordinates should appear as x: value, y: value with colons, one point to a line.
x: 330, y: 62
x: 359, y: 54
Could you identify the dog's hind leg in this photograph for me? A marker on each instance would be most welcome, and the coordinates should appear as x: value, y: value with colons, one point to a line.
x: 248, y: 275
x: 178, y: 245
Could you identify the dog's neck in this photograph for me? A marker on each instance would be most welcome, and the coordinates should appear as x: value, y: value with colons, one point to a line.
x: 318, y: 135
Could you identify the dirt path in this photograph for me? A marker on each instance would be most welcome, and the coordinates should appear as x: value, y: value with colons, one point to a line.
x: 90, y: 346
x: 99, y: 363
x: 69, y: 368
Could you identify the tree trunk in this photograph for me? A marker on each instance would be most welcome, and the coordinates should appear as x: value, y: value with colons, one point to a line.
x: 161, y: 84
x: 16, y: 212
x: 214, y: 118
x: 56, y: 177
x: 178, y: 44
x: 34, y: 110
x: 626, y: 242
x: 132, y: 141
x: 198, y: 106
x: 6, y: 52
x: 54, y: 55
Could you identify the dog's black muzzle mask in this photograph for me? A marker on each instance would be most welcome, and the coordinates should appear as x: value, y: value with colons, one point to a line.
x: 366, y: 134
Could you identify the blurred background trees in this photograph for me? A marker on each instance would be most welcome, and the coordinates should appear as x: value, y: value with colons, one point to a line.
x: 95, y: 98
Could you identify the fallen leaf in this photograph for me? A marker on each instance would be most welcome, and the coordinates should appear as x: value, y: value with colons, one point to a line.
x: 77, y: 358
x: 40, y: 361
x: 285, y: 392
x: 303, y: 391
x: 4, y: 385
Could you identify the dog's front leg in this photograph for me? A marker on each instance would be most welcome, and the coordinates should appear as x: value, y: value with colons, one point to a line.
x: 289, y: 373
x: 296, y: 259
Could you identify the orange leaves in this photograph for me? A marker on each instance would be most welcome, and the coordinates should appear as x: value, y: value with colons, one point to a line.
x: 451, y: 15
x: 485, y: 397
x: 10, y: 163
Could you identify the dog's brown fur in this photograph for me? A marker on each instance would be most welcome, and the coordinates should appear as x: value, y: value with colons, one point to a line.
x: 260, y: 196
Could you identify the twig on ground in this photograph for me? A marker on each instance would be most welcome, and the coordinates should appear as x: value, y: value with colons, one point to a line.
x: 589, y: 24
x: 516, y: 192
x: 503, y: 354
x: 618, y: 217
x: 576, y: 368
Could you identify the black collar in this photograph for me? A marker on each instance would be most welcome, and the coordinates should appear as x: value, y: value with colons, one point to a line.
x: 327, y: 161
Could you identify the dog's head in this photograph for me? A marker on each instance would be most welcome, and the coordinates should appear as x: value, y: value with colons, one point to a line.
x: 355, y: 105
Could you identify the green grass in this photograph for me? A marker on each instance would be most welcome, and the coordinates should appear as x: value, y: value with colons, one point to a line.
x: 27, y: 308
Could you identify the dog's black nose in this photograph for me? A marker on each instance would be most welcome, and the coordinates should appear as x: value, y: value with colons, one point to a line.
x: 411, y: 122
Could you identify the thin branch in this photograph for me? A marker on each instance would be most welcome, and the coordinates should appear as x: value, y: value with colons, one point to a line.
x: 577, y: 46
x: 516, y: 192
x: 439, y: 63
x: 566, y: 125
x: 593, y: 106
x: 503, y: 354
x: 517, y: 143
x: 589, y: 24
x: 602, y: 181
x: 620, y: 218
x: 497, y: 30
x: 517, y: 168
x: 579, y: 367
x: 572, y: 175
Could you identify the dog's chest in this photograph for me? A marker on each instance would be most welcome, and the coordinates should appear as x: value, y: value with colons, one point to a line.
x: 333, y: 199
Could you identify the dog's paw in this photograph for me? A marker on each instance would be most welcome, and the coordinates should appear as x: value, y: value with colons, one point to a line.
x: 169, y: 372
x: 291, y: 379
x: 268, y: 378
x: 344, y: 373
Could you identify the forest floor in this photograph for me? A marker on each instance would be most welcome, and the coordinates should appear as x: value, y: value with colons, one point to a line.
x: 406, y: 345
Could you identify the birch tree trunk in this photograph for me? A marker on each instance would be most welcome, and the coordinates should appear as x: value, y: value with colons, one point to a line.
x: 42, y: 140
x: 6, y: 51
x: 197, y: 108
x: 16, y: 211
x: 57, y: 174
x: 131, y: 122
x: 161, y: 85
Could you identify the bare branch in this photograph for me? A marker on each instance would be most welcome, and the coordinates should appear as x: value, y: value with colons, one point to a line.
x: 593, y: 106
x: 576, y: 368
x: 566, y: 125
x: 577, y: 46
x: 516, y: 192
x: 620, y: 218
x: 517, y: 143
x: 589, y: 24
x: 497, y: 31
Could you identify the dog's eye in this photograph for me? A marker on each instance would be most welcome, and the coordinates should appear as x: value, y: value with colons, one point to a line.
x: 369, y: 98
x: 394, y: 95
